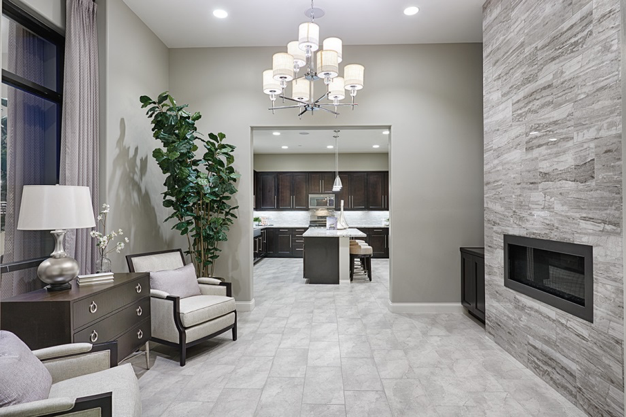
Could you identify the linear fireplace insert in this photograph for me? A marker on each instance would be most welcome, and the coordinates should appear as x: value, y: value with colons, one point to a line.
x: 556, y: 273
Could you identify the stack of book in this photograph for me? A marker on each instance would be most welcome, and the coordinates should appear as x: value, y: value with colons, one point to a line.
x: 92, y: 279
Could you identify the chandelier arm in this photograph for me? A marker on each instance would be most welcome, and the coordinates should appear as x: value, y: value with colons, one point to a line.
x: 329, y: 111
x: 303, y: 111
x: 324, y: 96
x: 337, y: 105
x: 285, y: 107
x: 293, y: 99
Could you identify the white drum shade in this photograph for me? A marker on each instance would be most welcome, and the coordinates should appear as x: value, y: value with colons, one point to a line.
x: 55, y: 207
x: 301, y: 89
x: 336, y: 89
x: 353, y: 76
x: 282, y: 66
x: 270, y: 85
x: 327, y: 65
x: 333, y: 44
x: 309, y: 36
x: 299, y: 57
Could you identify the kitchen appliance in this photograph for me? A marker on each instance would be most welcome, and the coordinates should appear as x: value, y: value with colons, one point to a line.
x: 319, y: 216
x: 321, y: 201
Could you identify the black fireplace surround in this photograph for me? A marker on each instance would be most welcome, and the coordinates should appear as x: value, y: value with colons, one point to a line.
x: 556, y: 273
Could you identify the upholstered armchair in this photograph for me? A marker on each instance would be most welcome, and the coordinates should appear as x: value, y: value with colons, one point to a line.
x: 186, y: 321
x: 85, y: 382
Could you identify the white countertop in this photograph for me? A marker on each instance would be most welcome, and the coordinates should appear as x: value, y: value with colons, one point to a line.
x: 322, y: 232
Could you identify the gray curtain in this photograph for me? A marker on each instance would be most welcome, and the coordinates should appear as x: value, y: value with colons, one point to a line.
x: 80, y: 139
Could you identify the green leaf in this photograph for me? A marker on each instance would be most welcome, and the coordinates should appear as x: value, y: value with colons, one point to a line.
x: 162, y: 97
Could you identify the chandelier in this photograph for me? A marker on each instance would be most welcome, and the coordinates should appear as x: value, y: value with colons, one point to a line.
x: 303, y: 64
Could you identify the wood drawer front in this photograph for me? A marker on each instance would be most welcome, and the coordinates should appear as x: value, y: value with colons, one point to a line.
x: 112, y: 326
x: 131, y: 340
x: 105, y: 302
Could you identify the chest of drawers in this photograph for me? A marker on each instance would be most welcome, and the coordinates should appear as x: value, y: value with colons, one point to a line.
x: 119, y: 310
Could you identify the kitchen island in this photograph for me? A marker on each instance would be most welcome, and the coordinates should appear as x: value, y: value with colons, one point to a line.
x: 327, y: 254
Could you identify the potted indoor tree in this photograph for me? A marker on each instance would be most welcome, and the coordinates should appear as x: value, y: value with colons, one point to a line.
x: 200, y: 179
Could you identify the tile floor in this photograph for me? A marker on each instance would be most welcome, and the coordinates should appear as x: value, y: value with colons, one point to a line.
x: 331, y: 351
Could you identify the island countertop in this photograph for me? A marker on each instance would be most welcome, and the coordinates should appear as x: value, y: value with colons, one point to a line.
x: 322, y: 232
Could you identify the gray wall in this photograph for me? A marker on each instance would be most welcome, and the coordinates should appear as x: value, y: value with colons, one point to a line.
x: 430, y: 95
x: 321, y: 162
x: 554, y: 67
x: 52, y: 11
x: 133, y: 62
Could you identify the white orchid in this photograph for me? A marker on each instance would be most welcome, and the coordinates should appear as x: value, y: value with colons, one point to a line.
x: 103, y: 239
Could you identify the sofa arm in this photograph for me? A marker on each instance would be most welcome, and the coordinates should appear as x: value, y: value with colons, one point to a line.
x: 62, y: 350
x: 209, y: 281
x: 101, y: 356
x: 158, y: 294
x: 212, y: 289
x: 39, y: 408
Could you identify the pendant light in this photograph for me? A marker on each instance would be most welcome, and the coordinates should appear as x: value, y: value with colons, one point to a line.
x: 337, y: 186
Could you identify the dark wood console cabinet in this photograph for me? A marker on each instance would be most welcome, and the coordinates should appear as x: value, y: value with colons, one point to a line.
x: 473, y: 281
x: 119, y: 310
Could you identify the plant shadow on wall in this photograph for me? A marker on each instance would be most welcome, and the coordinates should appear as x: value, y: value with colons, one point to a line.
x: 199, y: 190
x: 134, y: 208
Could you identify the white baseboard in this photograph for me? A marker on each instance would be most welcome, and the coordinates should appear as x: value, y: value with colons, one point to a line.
x: 426, y: 307
x: 245, y: 305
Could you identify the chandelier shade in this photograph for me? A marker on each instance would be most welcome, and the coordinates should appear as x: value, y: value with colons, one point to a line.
x: 353, y: 76
x: 282, y: 66
x: 309, y: 36
x: 336, y: 89
x: 327, y: 64
x: 299, y: 56
x: 333, y: 44
x: 270, y: 85
x: 301, y: 89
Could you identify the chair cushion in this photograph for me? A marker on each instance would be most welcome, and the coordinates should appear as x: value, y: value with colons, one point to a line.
x: 158, y: 262
x: 360, y: 250
x: 23, y: 378
x: 202, y: 308
x: 121, y: 381
x: 181, y: 282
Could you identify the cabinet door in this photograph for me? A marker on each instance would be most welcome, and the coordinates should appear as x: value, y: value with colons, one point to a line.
x: 480, y: 285
x: 344, y: 194
x: 283, y: 241
x: 270, y: 246
x: 377, y: 239
x: 315, y: 183
x: 300, y: 191
x: 297, y: 246
x: 284, y: 190
x: 376, y: 190
x: 266, y: 191
x: 263, y: 243
x: 358, y: 190
x: 328, y: 178
x: 468, y: 281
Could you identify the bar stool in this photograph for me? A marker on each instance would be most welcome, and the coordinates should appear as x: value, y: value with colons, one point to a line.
x: 363, y: 253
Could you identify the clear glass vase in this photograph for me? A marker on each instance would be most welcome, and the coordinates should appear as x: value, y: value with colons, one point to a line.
x: 103, y: 264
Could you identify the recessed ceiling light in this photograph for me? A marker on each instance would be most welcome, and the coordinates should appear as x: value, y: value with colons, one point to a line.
x: 533, y: 133
x: 553, y: 139
x: 276, y: 133
x: 376, y: 146
x: 330, y: 146
x: 220, y: 14
x: 410, y: 11
x: 385, y: 132
x: 285, y: 147
x: 304, y: 133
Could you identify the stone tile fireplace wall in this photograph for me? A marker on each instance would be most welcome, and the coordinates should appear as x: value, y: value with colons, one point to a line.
x: 553, y: 170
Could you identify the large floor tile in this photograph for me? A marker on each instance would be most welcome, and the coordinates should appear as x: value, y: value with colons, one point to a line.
x: 290, y: 363
x: 236, y: 403
x: 281, y: 397
x: 324, y: 354
x: 323, y: 385
x: 360, y: 374
x: 367, y: 404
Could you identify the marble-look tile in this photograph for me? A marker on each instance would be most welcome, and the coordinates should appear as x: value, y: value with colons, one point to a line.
x: 296, y: 337
x: 324, y: 354
x: 352, y: 326
x: 367, y: 404
x: 290, y: 363
x: 188, y: 409
x: 353, y: 346
x: 360, y: 374
x: 323, y: 385
x: 391, y: 363
x: 236, y: 403
x: 281, y: 397
x: 250, y: 372
x: 406, y: 397
x: 319, y: 410
x: 324, y: 332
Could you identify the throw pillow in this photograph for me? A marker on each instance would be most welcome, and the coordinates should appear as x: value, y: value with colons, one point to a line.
x: 23, y: 378
x: 181, y: 282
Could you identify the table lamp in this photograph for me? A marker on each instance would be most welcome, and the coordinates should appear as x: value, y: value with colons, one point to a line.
x: 56, y: 208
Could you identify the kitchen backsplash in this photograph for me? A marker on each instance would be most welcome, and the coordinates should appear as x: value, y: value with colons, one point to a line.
x: 301, y: 218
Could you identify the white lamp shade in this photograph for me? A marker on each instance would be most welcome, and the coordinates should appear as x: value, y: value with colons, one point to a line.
x: 301, y: 89
x: 282, y: 66
x: 327, y: 64
x: 270, y: 85
x: 55, y: 207
x: 309, y: 36
x: 336, y: 89
x: 353, y: 76
x: 333, y: 44
x: 299, y: 57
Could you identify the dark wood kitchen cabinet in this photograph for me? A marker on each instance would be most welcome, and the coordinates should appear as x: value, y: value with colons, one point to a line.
x: 378, y: 239
x: 358, y: 190
x: 321, y: 182
x: 285, y: 242
x: 473, y: 281
x: 266, y: 191
x: 378, y: 191
x: 293, y: 193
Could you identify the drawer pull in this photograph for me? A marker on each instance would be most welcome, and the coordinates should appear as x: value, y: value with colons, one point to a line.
x: 138, y: 288
x: 139, y: 334
x: 94, y: 336
x: 93, y: 307
x: 139, y: 311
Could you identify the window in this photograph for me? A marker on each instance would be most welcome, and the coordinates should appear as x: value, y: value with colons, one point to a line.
x: 31, y: 100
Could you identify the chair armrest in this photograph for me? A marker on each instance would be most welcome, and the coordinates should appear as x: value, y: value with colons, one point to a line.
x: 62, y: 350
x: 102, y: 356
x: 217, y: 280
x: 229, y: 288
x: 208, y: 289
x: 158, y: 293
x: 209, y: 281
x: 39, y: 408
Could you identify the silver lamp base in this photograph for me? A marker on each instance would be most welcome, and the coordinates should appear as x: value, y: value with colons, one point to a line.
x: 58, y: 270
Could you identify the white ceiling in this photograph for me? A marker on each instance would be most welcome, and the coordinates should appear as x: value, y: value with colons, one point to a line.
x: 350, y: 141
x: 190, y: 23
